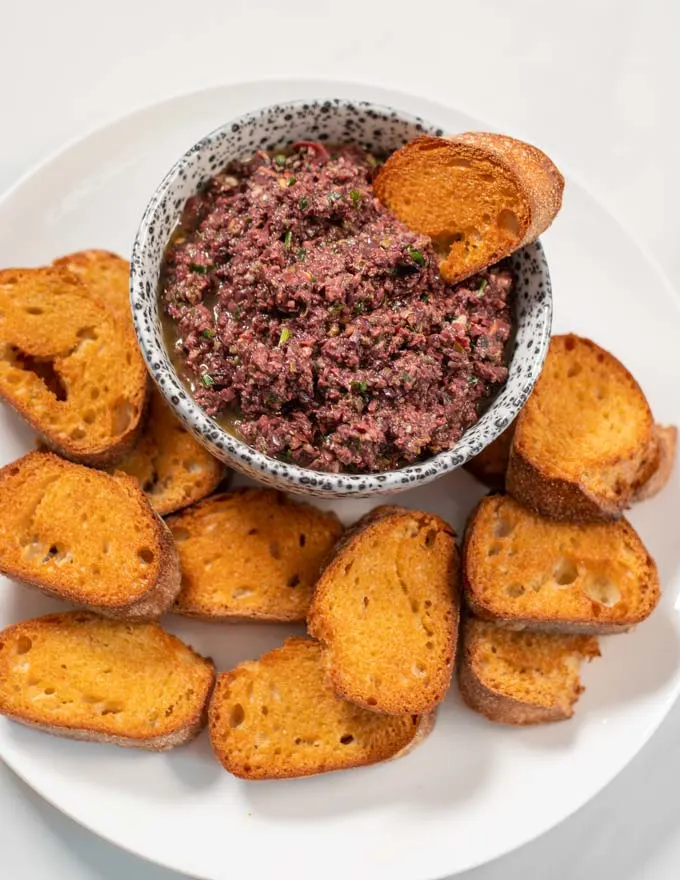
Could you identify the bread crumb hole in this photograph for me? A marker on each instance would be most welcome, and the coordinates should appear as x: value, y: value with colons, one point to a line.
x: 274, y: 550
x: 86, y: 333
x: 242, y: 593
x: 346, y: 739
x: 303, y: 540
x: 252, y: 532
x: 427, y: 603
x: 77, y: 434
x: 122, y: 416
x: 89, y: 417
x: 494, y: 549
x: 236, y: 716
x: 365, y: 601
x: 146, y: 555
x: 24, y: 645
x: 602, y: 590
x: 371, y: 701
x: 348, y: 567
x: 564, y: 572
x: 429, y: 645
x: 179, y: 533
x: 515, y: 590
x: 49, y: 692
x: 574, y: 370
x: 502, y: 528
x: 418, y: 670
x: 264, y: 710
x: 430, y: 537
x: 33, y: 310
x: 415, y: 606
x: 508, y: 222
x: 294, y: 580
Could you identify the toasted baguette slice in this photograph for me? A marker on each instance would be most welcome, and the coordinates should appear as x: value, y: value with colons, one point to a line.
x: 277, y: 718
x: 524, y: 570
x: 521, y: 677
x: 491, y: 465
x: 584, y: 443
x: 79, y: 676
x: 86, y: 537
x: 386, y: 612
x: 173, y: 469
x: 106, y: 276
x: 478, y: 196
x: 68, y: 367
x: 667, y: 440
x: 253, y: 554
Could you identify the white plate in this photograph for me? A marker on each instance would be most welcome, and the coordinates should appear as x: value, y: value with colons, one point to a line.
x: 473, y: 791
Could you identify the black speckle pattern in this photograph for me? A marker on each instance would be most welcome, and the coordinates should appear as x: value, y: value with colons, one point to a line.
x: 336, y: 120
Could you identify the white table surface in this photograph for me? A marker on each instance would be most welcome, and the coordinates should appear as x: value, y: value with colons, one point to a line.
x: 594, y: 82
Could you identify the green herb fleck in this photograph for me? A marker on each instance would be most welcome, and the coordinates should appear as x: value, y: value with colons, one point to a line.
x: 334, y: 196
x: 301, y: 253
x: 416, y: 255
x: 371, y: 161
x: 336, y: 307
x: 359, y: 308
x: 458, y: 347
x: 355, y: 196
x: 482, y: 287
x: 425, y: 298
x: 288, y: 454
x: 287, y: 240
x: 361, y: 387
x: 407, y: 378
x: 303, y: 203
x: 291, y: 180
x: 236, y: 314
x: 209, y: 334
x: 280, y: 160
x: 472, y: 380
x: 284, y: 337
x: 207, y: 380
x: 199, y: 270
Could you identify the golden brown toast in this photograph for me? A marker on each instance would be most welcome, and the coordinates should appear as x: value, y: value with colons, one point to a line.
x: 106, y: 277
x: 80, y: 676
x: 584, y: 443
x: 251, y: 554
x: 521, y: 677
x: 86, y: 537
x: 278, y: 718
x: 479, y: 196
x: 173, y: 469
x: 386, y: 610
x: 524, y: 570
x: 68, y: 367
x: 490, y: 466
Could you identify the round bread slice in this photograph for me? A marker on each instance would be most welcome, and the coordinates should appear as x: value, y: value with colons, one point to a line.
x: 527, y: 571
x: 68, y: 367
x: 521, y: 677
x: 584, y: 443
x: 86, y: 537
x: 253, y: 554
x: 479, y: 196
x: 386, y: 609
x: 79, y: 676
x: 277, y: 718
x: 173, y: 469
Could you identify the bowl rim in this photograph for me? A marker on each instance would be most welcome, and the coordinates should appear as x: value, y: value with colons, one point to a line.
x: 211, y: 433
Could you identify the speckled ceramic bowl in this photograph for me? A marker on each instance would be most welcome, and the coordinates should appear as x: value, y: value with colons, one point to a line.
x: 378, y: 128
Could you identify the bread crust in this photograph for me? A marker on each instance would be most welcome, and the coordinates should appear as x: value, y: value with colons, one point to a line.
x: 667, y: 440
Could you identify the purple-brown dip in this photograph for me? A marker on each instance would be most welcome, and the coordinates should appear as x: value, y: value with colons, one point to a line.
x: 317, y: 325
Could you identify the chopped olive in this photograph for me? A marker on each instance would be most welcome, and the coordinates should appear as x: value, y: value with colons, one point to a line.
x: 209, y: 334
x: 291, y: 180
x: 207, y: 380
x: 200, y: 270
x: 284, y: 337
x: 355, y: 196
x: 425, y: 297
x: 280, y: 160
x: 361, y: 387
